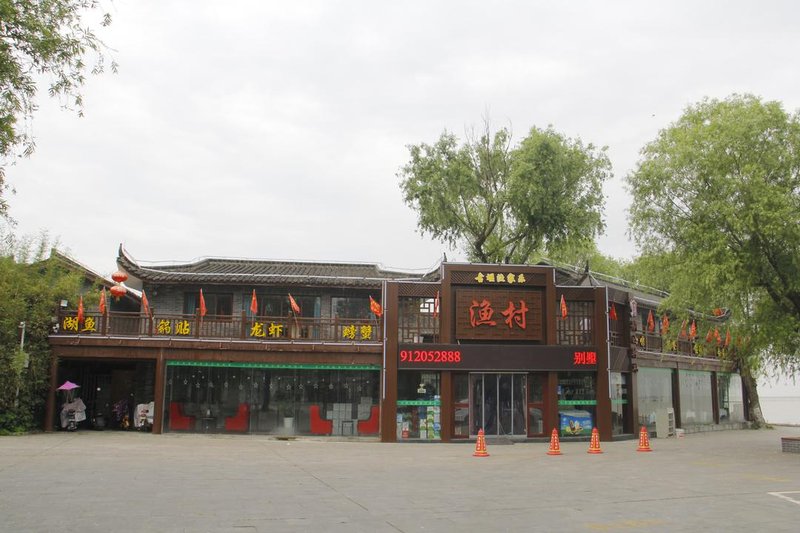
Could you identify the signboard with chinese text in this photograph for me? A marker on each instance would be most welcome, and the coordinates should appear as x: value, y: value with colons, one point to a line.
x: 499, y: 314
x: 496, y: 357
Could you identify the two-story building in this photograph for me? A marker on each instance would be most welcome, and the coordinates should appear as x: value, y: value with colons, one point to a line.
x: 343, y: 349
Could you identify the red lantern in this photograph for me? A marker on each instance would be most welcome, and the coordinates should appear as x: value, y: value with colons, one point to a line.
x: 119, y: 276
x: 118, y: 291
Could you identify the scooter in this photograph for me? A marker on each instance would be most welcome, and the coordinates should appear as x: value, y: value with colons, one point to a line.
x: 72, y: 424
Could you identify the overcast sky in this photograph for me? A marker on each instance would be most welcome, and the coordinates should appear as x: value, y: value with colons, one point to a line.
x: 276, y: 130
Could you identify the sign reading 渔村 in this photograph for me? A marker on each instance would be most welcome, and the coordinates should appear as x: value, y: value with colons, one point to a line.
x: 499, y: 314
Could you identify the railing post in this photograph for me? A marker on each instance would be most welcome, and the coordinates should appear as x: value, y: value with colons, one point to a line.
x: 198, y: 322
x: 244, y: 325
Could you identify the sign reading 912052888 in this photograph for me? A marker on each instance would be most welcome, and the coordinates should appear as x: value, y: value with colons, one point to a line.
x: 430, y: 356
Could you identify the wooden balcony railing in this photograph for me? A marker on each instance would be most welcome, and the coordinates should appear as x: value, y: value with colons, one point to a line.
x: 262, y: 328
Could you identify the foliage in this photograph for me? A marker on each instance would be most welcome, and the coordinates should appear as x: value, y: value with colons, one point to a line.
x: 503, y: 203
x: 716, y: 206
x: 42, y: 38
x: 30, y: 290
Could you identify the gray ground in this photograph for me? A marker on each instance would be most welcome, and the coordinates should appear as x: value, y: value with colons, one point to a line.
x: 107, y: 481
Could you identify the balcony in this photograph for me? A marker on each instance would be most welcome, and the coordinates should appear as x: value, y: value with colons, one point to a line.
x: 257, y: 329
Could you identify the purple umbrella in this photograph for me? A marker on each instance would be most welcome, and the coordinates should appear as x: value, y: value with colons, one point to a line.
x: 68, y: 385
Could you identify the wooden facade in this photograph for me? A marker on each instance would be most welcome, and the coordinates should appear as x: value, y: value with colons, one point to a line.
x: 467, y: 345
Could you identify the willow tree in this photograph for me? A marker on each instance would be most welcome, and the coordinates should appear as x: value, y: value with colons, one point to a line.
x: 44, y: 42
x: 502, y: 203
x: 717, y: 196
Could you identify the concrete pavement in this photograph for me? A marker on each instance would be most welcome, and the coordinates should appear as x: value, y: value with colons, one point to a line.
x: 111, y: 481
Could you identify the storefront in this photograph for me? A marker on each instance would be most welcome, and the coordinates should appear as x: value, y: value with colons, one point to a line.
x: 272, y: 398
x: 501, y: 389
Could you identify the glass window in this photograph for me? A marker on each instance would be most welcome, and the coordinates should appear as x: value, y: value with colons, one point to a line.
x: 461, y: 405
x: 731, y: 399
x: 217, y: 304
x: 536, y: 384
x: 278, y: 305
x: 416, y: 322
x: 418, y: 405
x: 272, y: 401
x: 350, y: 307
x: 695, y: 390
x: 577, y: 329
x: 654, y: 393
x: 619, y: 402
x: 577, y: 402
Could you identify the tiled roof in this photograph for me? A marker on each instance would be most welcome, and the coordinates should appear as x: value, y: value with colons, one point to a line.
x: 251, y: 271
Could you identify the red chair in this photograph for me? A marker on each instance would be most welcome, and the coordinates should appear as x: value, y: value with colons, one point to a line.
x: 370, y: 425
x: 178, y: 420
x: 240, y: 421
x: 319, y: 426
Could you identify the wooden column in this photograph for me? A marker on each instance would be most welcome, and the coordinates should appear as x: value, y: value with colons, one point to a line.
x: 161, y: 370
x: 551, y: 419
x: 389, y: 372
x: 446, y: 410
x: 601, y: 336
x: 633, y: 401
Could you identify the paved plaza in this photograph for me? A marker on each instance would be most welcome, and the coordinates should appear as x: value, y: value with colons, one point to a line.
x: 111, y: 481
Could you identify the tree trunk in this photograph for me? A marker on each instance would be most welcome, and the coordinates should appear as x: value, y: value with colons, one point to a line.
x: 753, y: 405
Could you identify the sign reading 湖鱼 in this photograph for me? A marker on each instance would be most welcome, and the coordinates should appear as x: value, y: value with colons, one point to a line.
x: 499, y: 314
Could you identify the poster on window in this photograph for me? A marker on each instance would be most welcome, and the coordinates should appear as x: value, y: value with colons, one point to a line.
x: 575, y: 423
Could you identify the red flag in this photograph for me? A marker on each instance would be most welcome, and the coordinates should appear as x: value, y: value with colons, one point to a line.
x: 375, y: 307
x: 145, y: 304
x: 693, y: 330
x: 613, y: 313
x: 709, y: 335
x: 80, y: 309
x: 727, y: 338
x: 436, y: 305
x: 683, y: 329
x: 295, y: 307
x: 563, y: 307
x: 651, y: 323
x: 102, y: 305
x: 664, y: 325
x: 203, y: 309
x: 254, y: 304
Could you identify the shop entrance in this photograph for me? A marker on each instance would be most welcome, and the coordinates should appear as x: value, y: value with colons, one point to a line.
x: 497, y: 404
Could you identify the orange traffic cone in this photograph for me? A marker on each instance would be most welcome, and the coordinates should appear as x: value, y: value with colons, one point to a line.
x: 480, y: 446
x: 555, y: 447
x: 644, y: 441
x: 594, y: 444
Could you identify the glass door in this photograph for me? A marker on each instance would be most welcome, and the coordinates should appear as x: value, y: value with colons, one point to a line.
x: 497, y: 404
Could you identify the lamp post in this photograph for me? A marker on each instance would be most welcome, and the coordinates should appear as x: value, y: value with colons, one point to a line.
x: 26, y: 361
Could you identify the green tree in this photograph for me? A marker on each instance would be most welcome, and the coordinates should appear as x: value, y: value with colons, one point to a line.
x: 716, y: 207
x: 42, y: 38
x: 30, y: 288
x: 504, y: 203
